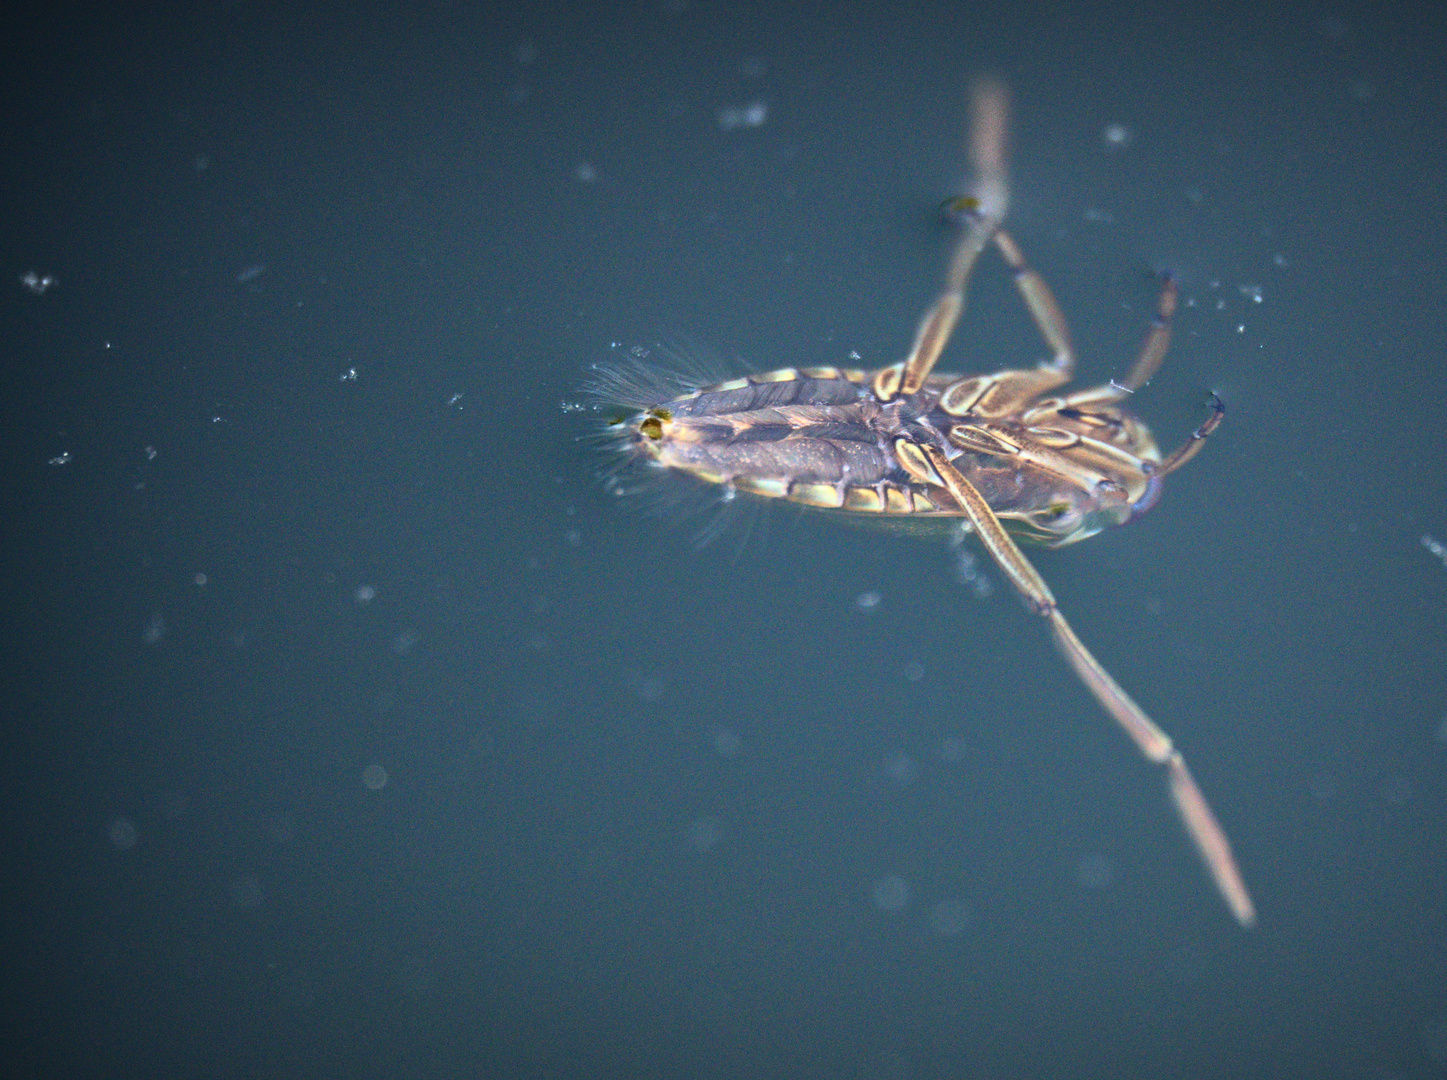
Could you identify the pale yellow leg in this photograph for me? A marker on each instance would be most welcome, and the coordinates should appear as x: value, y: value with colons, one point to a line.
x: 1154, y: 743
x: 988, y: 205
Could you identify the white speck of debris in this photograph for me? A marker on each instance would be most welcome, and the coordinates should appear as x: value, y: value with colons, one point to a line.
x: 751, y: 115
x: 1436, y: 547
x: 969, y: 574
x: 1117, y: 136
x: 61, y: 459
x: 36, y: 282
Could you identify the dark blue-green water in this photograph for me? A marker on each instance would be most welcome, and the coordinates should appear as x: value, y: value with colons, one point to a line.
x: 352, y: 728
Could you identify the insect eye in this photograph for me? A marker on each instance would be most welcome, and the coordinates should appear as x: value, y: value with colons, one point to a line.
x: 1059, y: 518
x: 960, y: 208
x: 651, y: 427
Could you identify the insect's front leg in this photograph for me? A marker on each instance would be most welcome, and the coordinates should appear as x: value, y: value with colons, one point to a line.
x: 986, y: 209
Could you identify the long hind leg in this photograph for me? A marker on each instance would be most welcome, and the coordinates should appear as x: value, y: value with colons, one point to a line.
x: 1201, y: 824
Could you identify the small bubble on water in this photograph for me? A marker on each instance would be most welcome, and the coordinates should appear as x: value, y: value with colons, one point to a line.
x: 949, y: 918
x: 705, y: 833
x: 247, y: 891
x: 1397, y: 790
x: 280, y: 825
x: 1093, y: 871
x: 890, y: 893
x: 900, y: 769
x: 122, y: 833
x: 1434, y: 1038
x: 726, y: 742
x: 651, y: 688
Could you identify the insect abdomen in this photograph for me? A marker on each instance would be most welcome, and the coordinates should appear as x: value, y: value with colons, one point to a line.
x: 814, y: 436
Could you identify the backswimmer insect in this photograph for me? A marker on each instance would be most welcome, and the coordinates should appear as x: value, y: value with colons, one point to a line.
x: 1008, y: 453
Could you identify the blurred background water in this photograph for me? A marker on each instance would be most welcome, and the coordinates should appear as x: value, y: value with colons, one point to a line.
x: 353, y: 728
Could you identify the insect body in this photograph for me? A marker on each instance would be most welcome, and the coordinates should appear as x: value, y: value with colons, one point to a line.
x: 1011, y: 453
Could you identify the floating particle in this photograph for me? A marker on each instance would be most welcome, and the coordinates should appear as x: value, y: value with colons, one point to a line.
x: 949, y: 918
x: 868, y: 601
x: 122, y: 833
x: 751, y: 115
x: 36, y: 282
x: 890, y: 893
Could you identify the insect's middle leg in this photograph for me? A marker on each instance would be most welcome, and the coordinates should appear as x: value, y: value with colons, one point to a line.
x: 1157, y: 341
x: 1147, y: 362
x: 1192, y: 446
